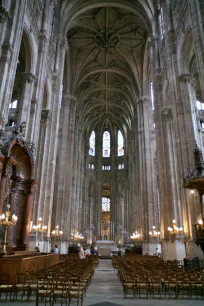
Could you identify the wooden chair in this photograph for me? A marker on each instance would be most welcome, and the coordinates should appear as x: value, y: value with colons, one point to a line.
x: 155, y: 285
x: 76, y: 290
x: 5, y: 286
x: 33, y: 279
x: 44, y: 291
x: 170, y: 285
x: 21, y: 285
x: 142, y: 286
x: 59, y: 290
x: 129, y: 284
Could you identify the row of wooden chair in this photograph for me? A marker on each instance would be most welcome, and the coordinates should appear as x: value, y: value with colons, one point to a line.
x: 155, y: 278
x: 64, y: 282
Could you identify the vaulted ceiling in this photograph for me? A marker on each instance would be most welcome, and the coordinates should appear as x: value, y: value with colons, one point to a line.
x: 105, y: 65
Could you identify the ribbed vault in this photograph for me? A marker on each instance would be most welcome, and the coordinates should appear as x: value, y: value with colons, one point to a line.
x: 105, y: 70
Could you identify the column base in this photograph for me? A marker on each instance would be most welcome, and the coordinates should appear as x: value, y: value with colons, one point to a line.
x: 151, y: 248
x: 64, y: 245
x: 32, y: 243
x: 173, y: 250
x: 193, y: 250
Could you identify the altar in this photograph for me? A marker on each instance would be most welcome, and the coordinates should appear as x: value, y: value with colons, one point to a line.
x: 106, y: 247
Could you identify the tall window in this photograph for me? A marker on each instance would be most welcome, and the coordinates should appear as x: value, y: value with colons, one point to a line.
x: 152, y: 95
x: 120, y: 144
x: 92, y: 144
x: 106, y: 144
x: 161, y: 22
x: 105, y: 204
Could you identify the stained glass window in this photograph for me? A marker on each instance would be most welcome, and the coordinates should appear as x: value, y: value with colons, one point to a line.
x: 106, y: 144
x: 120, y: 144
x: 105, y: 204
x: 92, y: 144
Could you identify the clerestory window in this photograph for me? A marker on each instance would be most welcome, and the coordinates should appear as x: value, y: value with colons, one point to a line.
x: 106, y: 144
x: 92, y: 141
x: 120, y: 144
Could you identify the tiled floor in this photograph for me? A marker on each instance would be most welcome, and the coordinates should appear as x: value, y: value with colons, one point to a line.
x: 106, y: 290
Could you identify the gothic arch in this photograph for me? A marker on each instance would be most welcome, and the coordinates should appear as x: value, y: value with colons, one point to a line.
x: 187, y: 52
x: 146, y: 71
x: 29, y: 51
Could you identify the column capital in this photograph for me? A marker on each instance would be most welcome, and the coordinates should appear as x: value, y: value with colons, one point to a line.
x: 3, y: 14
x: 187, y: 78
x: 64, y: 44
x: 68, y: 96
x: 28, y: 77
x: 167, y: 114
x: 145, y: 99
x: 7, y: 52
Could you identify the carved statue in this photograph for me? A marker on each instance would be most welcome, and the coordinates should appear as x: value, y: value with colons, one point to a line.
x: 2, y: 134
x: 199, y: 165
x: 19, y: 130
x: 198, y: 155
x: 31, y: 149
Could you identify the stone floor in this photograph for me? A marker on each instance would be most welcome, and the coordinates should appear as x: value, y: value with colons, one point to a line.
x: 106, y: 290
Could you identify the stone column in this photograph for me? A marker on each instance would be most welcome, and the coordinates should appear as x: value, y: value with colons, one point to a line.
x: 97, y: 204
x: 121, y: 208
x: 76, y: 179
x: 64, y: 173
x: 52, y: 140
x: 41, y: 165
x: 171, y: 247
x: 143, y: 182
x: 134, y: 177
x: 147, y: 176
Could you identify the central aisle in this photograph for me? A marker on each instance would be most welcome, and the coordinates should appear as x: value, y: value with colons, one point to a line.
x: 105, y: 284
